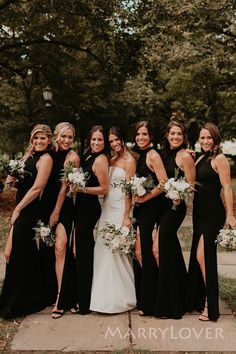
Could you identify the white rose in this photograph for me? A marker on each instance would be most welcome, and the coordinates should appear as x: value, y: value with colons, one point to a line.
x: 125, y: 230
x: 173, y: 194
x: 44, y: 231
x: 141, y: 191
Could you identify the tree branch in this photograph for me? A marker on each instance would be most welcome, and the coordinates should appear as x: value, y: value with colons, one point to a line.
x: 6, y: 3
x: 5, y: 47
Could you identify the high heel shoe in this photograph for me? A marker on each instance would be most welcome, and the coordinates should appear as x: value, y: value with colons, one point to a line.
x: 203, y: 317
x: 57, y: 313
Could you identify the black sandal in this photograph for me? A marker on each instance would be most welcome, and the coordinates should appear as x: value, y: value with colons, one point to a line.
x: 57, y: 314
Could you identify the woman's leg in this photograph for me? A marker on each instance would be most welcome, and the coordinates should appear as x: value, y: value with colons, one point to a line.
x: 201, y: 261
x: 8, y: 247
x: 60, y: 251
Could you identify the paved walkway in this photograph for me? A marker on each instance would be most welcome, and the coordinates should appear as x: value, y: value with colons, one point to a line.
x: 128, y: 331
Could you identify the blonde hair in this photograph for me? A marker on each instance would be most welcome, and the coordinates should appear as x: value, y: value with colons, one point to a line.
x: 59, y: 130
x: 39, y: 128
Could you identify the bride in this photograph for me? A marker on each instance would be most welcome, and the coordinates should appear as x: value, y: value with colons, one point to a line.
x: 113, y: 288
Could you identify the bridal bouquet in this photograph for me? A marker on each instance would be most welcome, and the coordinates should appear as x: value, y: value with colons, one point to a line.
x: 119, y: 239
x: 138, y: 186
x: 178, y: 189
x: 74, y: 176
x: 227, y: 239
x: 44, y: 232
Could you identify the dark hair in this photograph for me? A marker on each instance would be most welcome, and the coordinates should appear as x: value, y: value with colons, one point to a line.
x: 93, y: 129
x: 166, y: 144
x: 146, y: 124
x: 117, y: 132
x: 215, y: 133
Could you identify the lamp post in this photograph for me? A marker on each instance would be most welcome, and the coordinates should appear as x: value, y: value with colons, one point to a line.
x: 47, y: 95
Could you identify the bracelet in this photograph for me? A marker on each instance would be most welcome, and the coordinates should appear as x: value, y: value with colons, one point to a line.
x: 84, y: 190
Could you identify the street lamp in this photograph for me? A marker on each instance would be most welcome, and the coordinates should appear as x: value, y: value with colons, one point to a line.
x: 47, y: 95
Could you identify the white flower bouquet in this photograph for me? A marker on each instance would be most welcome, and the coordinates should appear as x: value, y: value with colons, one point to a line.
x: 14, y: 168
x: 44, y: 232
x: 74, y: 176
x: 119, y: 239
x: 227, y: 239
x: 177, y: 189
x: 138, y: 186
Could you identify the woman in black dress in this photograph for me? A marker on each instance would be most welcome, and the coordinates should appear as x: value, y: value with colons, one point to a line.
x: 212, y: 173
x: 148, y: 214
x: 58, y: 211
x: 23, y: 291
x: 172, y: 278
x: 88, y: 211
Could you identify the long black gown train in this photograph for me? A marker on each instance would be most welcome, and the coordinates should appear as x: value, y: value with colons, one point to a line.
x: 23, y: 291
x: 67, y: 296
x: 147, y: 215
x: 172, y: 278
x: 87, y: 213
x: 208, y: 218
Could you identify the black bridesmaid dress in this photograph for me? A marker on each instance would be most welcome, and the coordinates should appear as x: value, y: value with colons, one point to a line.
x: 148, y: 215
x: 67, y: 296
x: 208, y: 218
x: 23, y: 291
x: 88, y: 211
x: 170, y: 296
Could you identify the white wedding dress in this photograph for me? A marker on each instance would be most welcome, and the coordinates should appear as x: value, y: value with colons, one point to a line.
x: 113, y: 288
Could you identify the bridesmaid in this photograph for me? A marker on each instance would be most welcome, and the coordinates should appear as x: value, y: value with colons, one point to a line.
x: 58, y: 211
x: 148, y: 214
x: 172, y: 276
x: 88, y: 210
x: 113, y: 271
x: 22, y: 291
x: 209, y: 216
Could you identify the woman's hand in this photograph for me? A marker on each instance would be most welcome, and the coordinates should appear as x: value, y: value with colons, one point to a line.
x: 127, y: 222
x: 11, y: 181
x: 138, y: 199
x: 231, y: 221
x: 54, y: 218
x: 15, y: 215
x: 176, y: 201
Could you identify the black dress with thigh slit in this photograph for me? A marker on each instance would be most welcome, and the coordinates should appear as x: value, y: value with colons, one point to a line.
x: 172, y: 271
x: 23, y: 291
x: 67, y: 296
x: 87, y: 213
x: 208, y: 218
x: 148, y: 216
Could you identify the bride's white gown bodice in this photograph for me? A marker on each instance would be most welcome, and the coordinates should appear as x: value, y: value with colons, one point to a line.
x: 113, y: 288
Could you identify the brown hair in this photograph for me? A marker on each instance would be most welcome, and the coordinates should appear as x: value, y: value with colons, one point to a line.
x: 146, y: 124
x: 96, y: 128
x: 215, y: 134
x: 174, y: 123
x: 39, y: 128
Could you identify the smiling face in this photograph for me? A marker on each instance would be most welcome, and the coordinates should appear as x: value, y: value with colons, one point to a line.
x: 206, y: 140
x: 40, y: 142
x: 115, y: 143
x: 142, y: 138
x: 65, y: 139
x: 97, y: 143
x: 175, y: 137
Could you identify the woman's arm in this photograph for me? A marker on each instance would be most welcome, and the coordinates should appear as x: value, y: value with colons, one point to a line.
x: 130, y: 168
x: 71, y: 157
x: 44, y: 166
x: 100, y: 168
x: 154, y: 162
x: 223, y: 168
x: 186, y: 163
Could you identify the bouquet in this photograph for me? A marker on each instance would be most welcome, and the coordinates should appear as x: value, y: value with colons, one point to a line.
x: 74, y: 176
x: 177, y: 188
x: 227, y: 239
x: 14, y: 168
x: 119, y: 239
x: 136, y: 185
x: 44, y: 232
